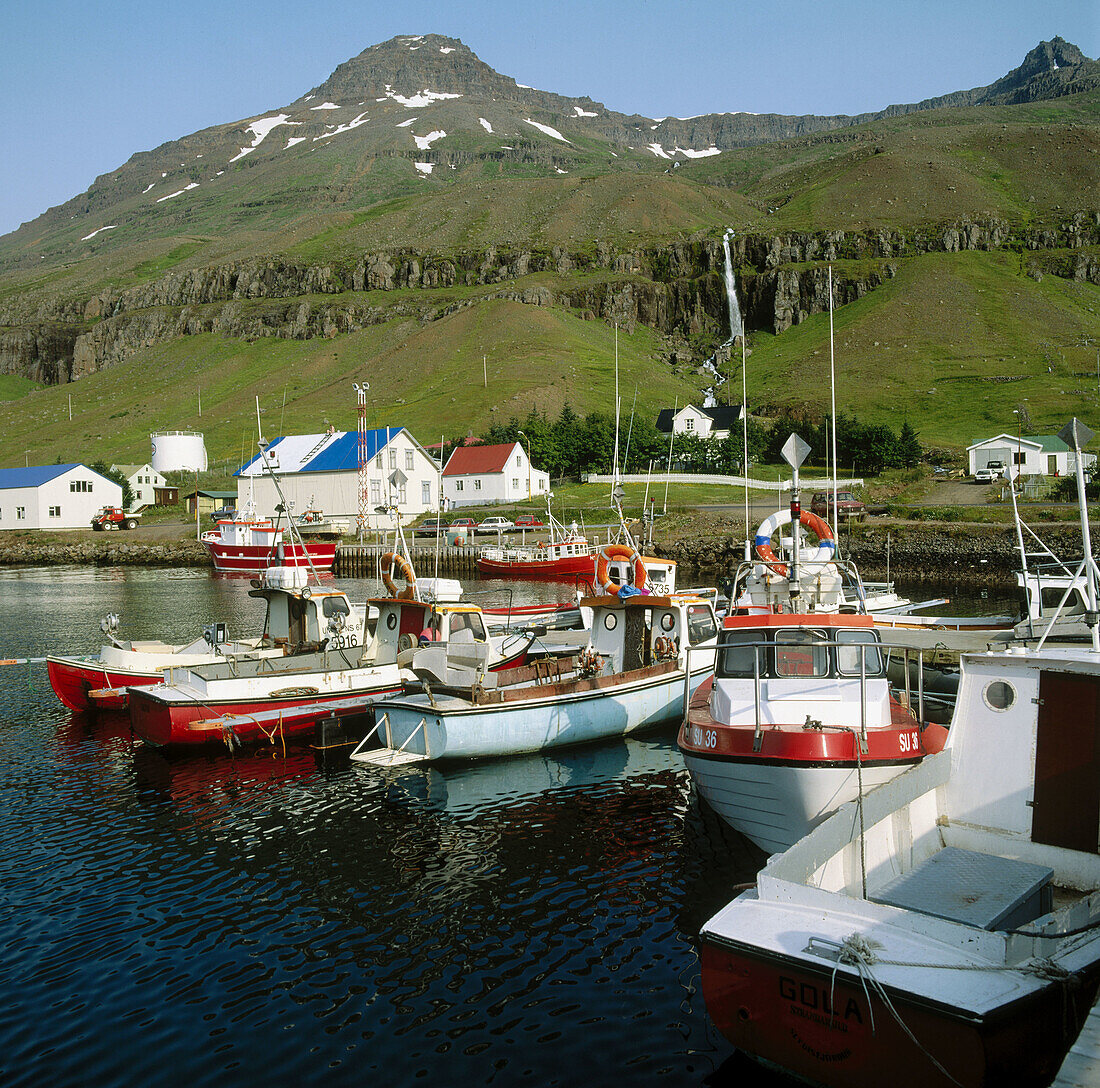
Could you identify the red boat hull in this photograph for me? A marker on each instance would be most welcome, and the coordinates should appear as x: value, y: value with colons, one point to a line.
x: 190, y: 724
x: 255, y: 559
x: 72, y: 680
x: 569, y: 566
x: 834, y: 1032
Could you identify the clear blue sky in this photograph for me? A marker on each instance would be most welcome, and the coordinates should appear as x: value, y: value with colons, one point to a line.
x: 86, y: 85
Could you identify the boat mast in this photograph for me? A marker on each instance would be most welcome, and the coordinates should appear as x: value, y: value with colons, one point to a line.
x: 832, y: 390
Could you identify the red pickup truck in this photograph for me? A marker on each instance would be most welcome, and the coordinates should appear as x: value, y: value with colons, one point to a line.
x: 847, y: 505
x: 114, y: 517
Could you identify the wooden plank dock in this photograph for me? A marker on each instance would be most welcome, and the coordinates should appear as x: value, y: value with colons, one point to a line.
x: 1081, y: 1069
x: 361, y: 560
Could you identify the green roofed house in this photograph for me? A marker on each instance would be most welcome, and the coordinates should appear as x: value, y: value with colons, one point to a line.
x: 1027, y: 455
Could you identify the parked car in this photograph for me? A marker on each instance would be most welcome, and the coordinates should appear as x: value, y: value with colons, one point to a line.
x: 996, y: 467
x: 430, y: 527
x: 464, y: 523
x: 984, y: 475
x: 528, y: 521
x: 847, y: 505
x: 495, y: 525
x: 223, y: 513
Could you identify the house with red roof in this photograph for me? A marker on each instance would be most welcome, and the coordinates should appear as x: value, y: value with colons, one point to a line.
x: 481, y: 475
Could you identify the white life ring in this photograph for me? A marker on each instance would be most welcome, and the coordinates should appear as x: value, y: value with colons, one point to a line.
x: 810, y: 562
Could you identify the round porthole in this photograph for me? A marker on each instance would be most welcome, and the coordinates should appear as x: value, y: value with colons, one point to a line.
x: 667, y: 622
x: 391, y: 621
x: 999, y: 695
x: 610, y: 621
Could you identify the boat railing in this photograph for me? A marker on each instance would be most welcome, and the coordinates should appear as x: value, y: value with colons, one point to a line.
x: 765, y: 666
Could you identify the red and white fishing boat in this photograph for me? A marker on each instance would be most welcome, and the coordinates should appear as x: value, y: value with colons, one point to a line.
x: 800, y: 714
x: 250, y: 544
x: 297, y: 619
x: 189, y: 708
x: 944, y: 929
x: 566, y: 554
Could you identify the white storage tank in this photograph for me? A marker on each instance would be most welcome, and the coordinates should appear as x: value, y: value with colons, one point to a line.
x: 178, y: 450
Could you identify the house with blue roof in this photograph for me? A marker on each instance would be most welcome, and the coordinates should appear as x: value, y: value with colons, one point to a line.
x: 54, y: 496
x: 321, y: 472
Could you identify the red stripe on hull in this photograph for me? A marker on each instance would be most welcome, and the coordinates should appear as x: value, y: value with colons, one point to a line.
x: 821, y: 1029
x: 71, y: 681
x: 255, y: 560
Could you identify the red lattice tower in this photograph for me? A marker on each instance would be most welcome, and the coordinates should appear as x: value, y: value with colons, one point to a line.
x: 361, y: 395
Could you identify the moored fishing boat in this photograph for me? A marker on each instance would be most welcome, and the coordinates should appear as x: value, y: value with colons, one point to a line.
x: 193, y: 705
x: 644, y: 656
x: 250, y: 544
x: 799, y: 715
x: 943, y: 929
x: 297, y: 618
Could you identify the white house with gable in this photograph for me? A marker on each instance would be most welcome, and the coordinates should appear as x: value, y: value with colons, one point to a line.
x: 144, y: 481
x: 1030, y: 455
x: 321, y: 472
x: 54, y: 496
x: 481, y: 475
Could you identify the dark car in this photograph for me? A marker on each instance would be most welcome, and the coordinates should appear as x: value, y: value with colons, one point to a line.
x: 223, y: 513
x: 528, y: 521
x: 847, y: 505
x: 430, y: 527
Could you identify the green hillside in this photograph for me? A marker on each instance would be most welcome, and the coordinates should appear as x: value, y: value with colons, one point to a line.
x: 965, y: 243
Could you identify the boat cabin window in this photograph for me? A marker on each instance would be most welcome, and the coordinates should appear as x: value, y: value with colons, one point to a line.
x: 801, y: 653
x: 798, y: 653
x: 334, y: 606
x: 848, y: 653
x: 467, y: 621
x: 738, y: 650
x: 1052, y: 597
x: 701, y: 624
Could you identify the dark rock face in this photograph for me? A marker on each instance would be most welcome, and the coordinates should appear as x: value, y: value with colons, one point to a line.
x: 675, y: 289
x: 101, y: 552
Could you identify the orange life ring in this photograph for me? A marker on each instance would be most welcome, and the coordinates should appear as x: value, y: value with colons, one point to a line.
x: 814, y: 562
x: 619, y: 551
x: 393, y: 561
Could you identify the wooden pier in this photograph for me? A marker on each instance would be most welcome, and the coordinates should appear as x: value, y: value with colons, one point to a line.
x: 361, y: 560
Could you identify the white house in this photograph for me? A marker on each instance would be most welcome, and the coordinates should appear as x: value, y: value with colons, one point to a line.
x: 715, y: 422
x: 54, y: 496
x: 143, y: 481
x: 482, y: 475
x: 321, y: 472
x: 1031, y: 455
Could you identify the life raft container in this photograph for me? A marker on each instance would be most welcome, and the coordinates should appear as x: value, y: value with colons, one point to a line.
x: 810, y: 562
x: 391, y: 561
x: 619, y: 551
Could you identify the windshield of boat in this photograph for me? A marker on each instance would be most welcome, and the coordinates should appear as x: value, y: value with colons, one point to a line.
x: 701, y: 624
x: 797, y: 653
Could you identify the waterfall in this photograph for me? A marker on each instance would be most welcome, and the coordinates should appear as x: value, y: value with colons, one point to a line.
x: 736, y: 328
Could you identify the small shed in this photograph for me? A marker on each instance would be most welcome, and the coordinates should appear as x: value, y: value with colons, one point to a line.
x: 209, y: 501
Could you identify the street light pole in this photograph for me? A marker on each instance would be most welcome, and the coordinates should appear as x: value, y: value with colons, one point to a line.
x: 528, y: 464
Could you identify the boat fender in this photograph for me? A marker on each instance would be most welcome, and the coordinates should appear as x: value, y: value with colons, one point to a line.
x: 391, y: 561
x: 405, y: 642
x: 619, y: 551
x: 815, y: 561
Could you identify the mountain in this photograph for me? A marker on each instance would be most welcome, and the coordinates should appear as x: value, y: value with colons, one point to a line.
x: 416, y: 183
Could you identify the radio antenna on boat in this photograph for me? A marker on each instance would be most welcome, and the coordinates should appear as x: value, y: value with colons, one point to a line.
x: 832, y: 391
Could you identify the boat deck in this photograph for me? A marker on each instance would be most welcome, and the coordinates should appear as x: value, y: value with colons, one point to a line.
x: 1081, y: 1069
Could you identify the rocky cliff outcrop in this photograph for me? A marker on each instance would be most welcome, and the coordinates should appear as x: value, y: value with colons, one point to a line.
x: 675, y: 289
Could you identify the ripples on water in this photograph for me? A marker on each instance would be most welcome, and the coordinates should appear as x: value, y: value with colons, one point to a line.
x: 211, y: 920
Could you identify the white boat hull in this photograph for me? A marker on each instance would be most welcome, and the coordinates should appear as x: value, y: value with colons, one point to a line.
x: 458, y: 729
x: 775, y: 805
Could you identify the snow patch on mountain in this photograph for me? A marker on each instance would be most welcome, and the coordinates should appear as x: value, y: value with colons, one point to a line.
x: 549, y: 130
x: 419, y: 100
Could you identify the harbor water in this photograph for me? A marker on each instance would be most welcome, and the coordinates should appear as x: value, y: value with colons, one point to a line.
x: 214, y: 920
